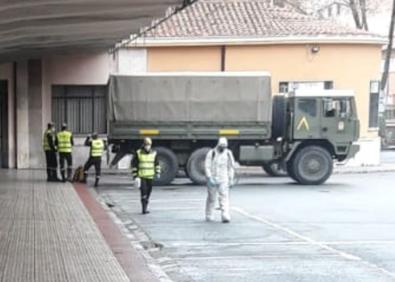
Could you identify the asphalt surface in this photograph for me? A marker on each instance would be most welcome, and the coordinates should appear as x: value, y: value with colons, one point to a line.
x: 388, y: 156
x: 341, y: 231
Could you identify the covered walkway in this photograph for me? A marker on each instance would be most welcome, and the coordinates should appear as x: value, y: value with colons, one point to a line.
x: 53, y: 232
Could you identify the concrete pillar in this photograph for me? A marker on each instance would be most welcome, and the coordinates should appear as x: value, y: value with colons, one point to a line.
x: 22, y: 115
x: 35, y: 113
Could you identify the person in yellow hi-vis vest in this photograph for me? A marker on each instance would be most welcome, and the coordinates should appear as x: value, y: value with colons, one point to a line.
x: 50, y: 153
x: 97, y: 148
x: 64, y: 143
x: 145, y: 167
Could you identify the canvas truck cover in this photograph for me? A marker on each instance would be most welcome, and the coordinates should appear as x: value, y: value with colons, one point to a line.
x: 190, y: 97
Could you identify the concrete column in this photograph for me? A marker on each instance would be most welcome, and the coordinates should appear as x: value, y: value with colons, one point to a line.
x: 22, y: 115
x: 35, y: 113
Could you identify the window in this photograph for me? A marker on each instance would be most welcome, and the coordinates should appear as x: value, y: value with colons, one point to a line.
x: 338, y: 107
x: 308, y: 106
x: 83, y: 108
x: 289, y: 86
x: 374, y: 104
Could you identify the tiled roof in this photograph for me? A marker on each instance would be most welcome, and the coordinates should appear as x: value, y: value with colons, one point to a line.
x: 247, y: 18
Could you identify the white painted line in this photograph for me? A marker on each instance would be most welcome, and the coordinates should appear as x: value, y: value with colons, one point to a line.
x: 257, y: 257
x: 296, y: 235
x: 299, y: 243
x: 313, y: 242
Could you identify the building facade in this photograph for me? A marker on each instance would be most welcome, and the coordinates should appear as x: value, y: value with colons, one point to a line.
x: 298, y: 51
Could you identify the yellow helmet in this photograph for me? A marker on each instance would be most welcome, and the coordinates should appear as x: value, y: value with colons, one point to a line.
x: 147, y: 141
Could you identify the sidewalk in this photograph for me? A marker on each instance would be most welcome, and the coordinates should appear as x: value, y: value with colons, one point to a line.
x: 338, y: 169
x: 48, y: 233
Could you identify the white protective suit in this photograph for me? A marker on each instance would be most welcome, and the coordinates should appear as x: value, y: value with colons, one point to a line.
x: 219, y: 168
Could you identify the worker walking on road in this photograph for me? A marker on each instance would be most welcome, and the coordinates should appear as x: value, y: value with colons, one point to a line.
x: 97, y: 147
x: 65, y: 143
x: 50, y: 153
x: 145, y: 166
x: 219, y: 168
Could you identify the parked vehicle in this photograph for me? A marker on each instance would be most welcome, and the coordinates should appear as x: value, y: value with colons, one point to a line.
x: 301, y: 133
x: 387, y: 128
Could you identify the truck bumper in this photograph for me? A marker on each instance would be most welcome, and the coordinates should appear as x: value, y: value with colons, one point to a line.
x: 354, y: 149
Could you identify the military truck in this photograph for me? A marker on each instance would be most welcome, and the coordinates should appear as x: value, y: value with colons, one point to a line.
x: 387, y: 127
x: 185, y: 113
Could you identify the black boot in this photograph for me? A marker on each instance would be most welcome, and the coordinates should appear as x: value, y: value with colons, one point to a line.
x: 97, y: 181
x: 69, y: 172
x: 63, y: 176
x: 85, y: 178
x: 49, y: 176
x: 144, y: 206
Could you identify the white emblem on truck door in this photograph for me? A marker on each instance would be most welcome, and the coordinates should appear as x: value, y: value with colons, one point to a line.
x: 303, y: 122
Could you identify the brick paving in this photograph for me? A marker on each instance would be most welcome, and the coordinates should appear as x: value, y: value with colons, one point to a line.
x: 46, y: 233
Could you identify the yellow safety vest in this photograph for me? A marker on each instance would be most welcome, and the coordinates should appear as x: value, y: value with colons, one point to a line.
x: 45, y: 139
x: 146, y: 167
x: 64, y: 142
x: 97, y: 148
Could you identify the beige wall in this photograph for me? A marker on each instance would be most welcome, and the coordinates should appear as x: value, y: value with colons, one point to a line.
x: 81, y: 69
x: 184, y: 59
x: 348, y: 66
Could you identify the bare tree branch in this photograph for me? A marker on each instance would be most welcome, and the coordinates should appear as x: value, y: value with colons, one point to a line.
x: 384, y: 77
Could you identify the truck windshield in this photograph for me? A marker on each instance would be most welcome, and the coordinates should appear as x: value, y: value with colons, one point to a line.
x: 308, y: 106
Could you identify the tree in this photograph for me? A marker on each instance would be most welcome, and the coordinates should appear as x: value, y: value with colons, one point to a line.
x: 384, y: 77
x: 359, y: 9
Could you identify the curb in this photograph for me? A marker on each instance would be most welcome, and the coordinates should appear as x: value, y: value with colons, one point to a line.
x: 258, y: 172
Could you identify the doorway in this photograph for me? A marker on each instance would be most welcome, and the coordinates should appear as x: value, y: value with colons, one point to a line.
x: 3, y: 124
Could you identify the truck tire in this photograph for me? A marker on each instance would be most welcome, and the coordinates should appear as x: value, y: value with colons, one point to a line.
x: 169, y: 166
x: 279, y: 117
x: 274, y: 169
x: 195, y: 166
x: 290, y: 170
x: 312, y: 165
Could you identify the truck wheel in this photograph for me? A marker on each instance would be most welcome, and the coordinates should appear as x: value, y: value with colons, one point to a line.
x: 290, y: 170
x: 312, y: 165
x: 195, y: 166
x: 274, y: 169
x: 168, y: 164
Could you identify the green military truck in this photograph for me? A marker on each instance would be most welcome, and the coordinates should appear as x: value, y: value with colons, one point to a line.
x: 185, y: 113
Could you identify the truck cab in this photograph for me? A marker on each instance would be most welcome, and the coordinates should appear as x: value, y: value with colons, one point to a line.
x: 328, y: 115
x: 322, y: 121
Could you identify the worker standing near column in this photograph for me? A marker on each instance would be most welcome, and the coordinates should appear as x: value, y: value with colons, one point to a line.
x: 97, y: 148
x: 65, y: 143
x: 145, y: 166
x: 219, y: 168
x: 50, y: 153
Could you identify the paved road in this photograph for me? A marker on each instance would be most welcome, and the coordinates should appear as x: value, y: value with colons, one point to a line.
x: 341, y: 231
x: 388, y: 156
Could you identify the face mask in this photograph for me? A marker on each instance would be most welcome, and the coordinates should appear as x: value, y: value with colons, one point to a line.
x: 221, y: 149
x: 147, y: 148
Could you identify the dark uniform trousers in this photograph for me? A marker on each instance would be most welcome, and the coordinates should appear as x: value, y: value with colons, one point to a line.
x: 66, y: 157
x: 52, y: 164
x: 145, y: 192
x: 96, y: 162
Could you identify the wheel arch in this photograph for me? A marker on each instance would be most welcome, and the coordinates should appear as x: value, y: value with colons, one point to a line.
x: 325, y: 144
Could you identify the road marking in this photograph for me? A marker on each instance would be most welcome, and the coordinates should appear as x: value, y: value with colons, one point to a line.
x: 256, y: 257
x: 297, y: 243
x: 312, y: 241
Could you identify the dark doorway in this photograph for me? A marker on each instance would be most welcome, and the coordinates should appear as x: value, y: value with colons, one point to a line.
x: 3, y: 124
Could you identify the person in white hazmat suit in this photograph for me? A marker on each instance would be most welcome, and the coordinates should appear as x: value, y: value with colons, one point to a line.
x: 219, y: 168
